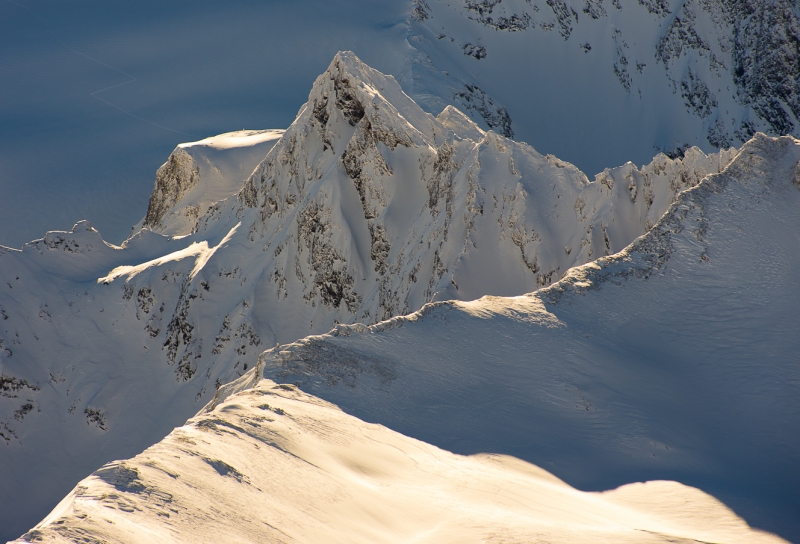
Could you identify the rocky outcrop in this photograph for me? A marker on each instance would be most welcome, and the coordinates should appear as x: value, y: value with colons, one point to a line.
x: 173, y: 180
x: 198, y: 174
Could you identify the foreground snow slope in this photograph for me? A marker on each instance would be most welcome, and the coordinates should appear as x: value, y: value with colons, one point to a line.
x: 674, y: 359
x: 365, y: 208
x: 273, y: 464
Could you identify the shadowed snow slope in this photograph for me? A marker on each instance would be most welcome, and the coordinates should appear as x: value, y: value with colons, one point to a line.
x: 364, y: 209
x: 600, y: 82
x: 272, y: 464
x: 675, y: 359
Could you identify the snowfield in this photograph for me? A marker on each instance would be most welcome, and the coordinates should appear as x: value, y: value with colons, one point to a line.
x: 671, y: 357
x: 273, y: 464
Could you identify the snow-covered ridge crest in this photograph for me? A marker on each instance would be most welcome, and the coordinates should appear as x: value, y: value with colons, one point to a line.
x: 764, y: 166
x: 359, y: 129
x: 643, y: 257
x: 272, y: 463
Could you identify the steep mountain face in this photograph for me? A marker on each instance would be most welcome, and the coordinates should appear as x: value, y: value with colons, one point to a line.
x: 673, y: 359
x: 364, y: 209
x: 653, y: 74
x: 272, y: 464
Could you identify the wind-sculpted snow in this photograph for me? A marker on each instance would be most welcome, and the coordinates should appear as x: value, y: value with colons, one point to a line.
x: 273, y: 464
x: 366, y: 208
x: 675, y: 358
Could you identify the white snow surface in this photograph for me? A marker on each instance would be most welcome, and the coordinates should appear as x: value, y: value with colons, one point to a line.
x: 364, y: 209
x: 273, y: 464
x: 599, y: 82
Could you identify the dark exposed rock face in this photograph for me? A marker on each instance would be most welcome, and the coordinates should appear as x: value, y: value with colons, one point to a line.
x: 595, y: 9
x: 657, y: 7
x: 697, y: 96
x: 564, y: 15
x: 763, y: 41
x: 346, y: 101
x: 766, y: 56
x: 475, y: 51
x: 419, y: 11
x: 175, y: 177
x: 12, y: 387
x: 680, y: 37
x: 482, y: 12
x: 475, y: 100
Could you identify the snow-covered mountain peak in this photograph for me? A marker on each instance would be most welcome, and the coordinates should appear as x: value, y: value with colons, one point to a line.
x: 350, y: 90
x: 365, y: 208
x: 648, y: 364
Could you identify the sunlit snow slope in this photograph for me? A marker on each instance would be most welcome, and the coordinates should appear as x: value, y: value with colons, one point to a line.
x: 674, y: 359
x: 273, y: 464
x: 365, y: 208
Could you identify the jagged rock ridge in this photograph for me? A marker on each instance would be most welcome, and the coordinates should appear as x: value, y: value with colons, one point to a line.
x: 198, y: 174
x: 650, y: 364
